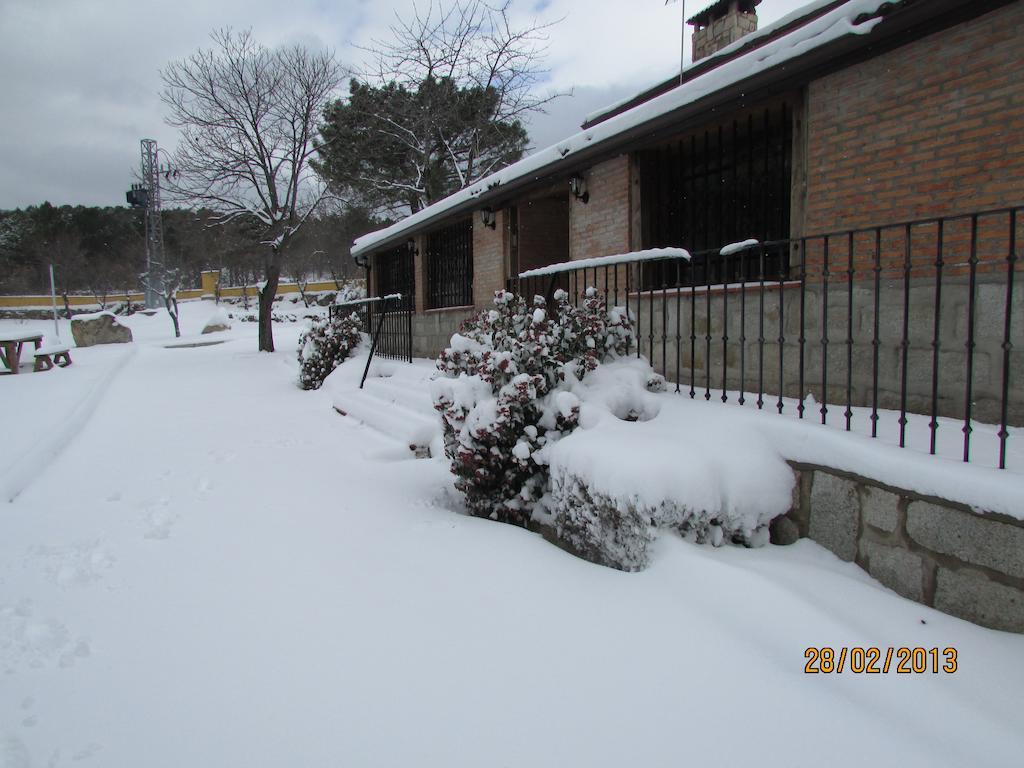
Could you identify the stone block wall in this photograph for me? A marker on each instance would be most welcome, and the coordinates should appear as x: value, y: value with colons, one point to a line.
x: 660, y: 319
x: 721, y: 32
x: 431, y: 330
x: 961, y: 561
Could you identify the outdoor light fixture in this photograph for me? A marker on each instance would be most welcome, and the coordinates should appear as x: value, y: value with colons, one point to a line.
x: 578, y: 187
x: 488, y: 218
x: 411, y: 245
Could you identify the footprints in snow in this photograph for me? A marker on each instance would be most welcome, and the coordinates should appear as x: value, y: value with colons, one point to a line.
x: 33, y: 642
x: 73, y: 565
x: 14, y: 753
x: 159, y: 520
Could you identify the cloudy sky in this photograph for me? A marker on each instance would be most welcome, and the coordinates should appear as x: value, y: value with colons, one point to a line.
x: 81, y: 77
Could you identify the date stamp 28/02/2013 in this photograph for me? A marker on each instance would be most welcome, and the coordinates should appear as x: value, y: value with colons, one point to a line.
x: 874, y: 660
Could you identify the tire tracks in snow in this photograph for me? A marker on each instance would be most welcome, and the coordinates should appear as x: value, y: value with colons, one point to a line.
x: 26, y: 469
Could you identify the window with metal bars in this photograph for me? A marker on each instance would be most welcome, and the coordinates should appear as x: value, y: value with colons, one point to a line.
x: 723, y: 184
x: 396, y: 273
x: 450, y: 266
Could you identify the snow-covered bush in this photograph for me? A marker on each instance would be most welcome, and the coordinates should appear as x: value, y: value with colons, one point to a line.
x: 616, y: 530
x: 506, y: 393
x: 643, y: 461
x: 324, y: 347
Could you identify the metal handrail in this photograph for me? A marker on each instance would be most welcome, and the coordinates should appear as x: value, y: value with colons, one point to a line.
x: 386, y: 304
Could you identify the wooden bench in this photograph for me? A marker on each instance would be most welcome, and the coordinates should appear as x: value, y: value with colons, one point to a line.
x: 52, y: 354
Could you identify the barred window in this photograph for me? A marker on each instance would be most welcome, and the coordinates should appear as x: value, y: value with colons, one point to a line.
x: 723, y: 184
x: 396, y: 273
x: 450, y: 266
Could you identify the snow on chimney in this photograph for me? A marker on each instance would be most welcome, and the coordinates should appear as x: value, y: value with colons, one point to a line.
x: 722, y: 23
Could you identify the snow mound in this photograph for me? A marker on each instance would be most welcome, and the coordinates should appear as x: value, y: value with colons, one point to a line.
x: 641, y: 461
x: 219, y: 321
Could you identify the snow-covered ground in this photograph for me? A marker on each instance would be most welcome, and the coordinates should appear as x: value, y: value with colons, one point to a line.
x: 207, y: 566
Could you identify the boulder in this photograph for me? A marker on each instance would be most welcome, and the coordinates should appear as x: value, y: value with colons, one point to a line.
x: 218, y: 322
x: 327, y: 298
x: 99, y: 328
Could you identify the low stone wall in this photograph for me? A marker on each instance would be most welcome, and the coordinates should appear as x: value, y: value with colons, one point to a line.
x: 961, y: 561
x: 734, y: 327
x: 432, y: 330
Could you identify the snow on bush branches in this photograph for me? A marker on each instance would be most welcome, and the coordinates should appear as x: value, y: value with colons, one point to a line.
x: 506, y: 393
x: 324, y: 347
x: 548, y: 420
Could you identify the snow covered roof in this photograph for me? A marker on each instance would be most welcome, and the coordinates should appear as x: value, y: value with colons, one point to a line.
x: 671, y: 78
x: 819, y: 34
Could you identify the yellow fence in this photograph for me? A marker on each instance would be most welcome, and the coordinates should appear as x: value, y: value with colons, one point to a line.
x: 208, y: 291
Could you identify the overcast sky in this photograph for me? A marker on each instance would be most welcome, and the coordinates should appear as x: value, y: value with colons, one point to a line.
x: 81, y: 79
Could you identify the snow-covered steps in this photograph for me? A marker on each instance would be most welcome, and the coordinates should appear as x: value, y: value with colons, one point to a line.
x: 395, y: 401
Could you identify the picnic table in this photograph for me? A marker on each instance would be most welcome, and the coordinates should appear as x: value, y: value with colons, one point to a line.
x: 12, y: 343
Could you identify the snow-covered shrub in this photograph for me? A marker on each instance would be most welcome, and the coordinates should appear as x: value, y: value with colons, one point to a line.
x: 643, y: 461
x: 506, y: 395
x: 597, y: 527
x: 324, y: 347
x: 616, y: 530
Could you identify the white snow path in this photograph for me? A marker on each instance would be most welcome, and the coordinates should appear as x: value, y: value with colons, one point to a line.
x: 220, y: 571
x: 47, y: 440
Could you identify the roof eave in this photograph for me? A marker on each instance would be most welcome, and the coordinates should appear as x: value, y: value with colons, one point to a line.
x: 775, y: 79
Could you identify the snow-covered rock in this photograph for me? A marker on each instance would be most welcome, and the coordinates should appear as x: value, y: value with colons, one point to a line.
x: 99, y: 328
x: 219, y: 321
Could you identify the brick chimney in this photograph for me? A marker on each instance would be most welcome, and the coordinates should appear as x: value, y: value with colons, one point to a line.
x: 722, y: 23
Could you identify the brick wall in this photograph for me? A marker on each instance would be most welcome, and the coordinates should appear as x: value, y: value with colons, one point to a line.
x: 931, y: 128
x: 488, y: 258
x: 601, y: 227
x: 420, y: 270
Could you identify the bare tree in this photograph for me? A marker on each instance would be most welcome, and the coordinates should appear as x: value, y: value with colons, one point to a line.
x: 472, y: 43
x: 165, y: 280
x: 441, y: 105
x: 248, y: 116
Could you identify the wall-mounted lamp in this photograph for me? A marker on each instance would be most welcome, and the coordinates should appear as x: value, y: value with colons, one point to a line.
x: 578, y: 187
x: 488, y: 218
x: 411, y: 245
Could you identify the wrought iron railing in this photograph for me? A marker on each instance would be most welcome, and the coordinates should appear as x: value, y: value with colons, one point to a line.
x: 388, y: 322
x: 921, y: 317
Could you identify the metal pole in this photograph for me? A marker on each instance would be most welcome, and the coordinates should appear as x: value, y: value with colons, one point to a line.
x: 682, y: 42
x: 53, y: 303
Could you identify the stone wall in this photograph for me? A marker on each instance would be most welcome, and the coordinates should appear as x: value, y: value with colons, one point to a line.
x: 965, y: 562
x: 666, y: 316
x: 721, y: 32
x: 432, y: 330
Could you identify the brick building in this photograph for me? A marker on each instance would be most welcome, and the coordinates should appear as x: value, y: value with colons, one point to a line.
x: 843, y: 120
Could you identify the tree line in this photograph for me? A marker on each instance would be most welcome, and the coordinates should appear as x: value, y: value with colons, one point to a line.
x: 101, y: 251
x: 277, y: 169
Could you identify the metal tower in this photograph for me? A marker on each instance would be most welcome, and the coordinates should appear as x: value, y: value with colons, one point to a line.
x: 154, y: 228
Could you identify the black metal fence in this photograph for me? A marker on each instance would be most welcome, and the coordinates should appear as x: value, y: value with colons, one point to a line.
x: 921, y: 317
x: 388, y: 322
